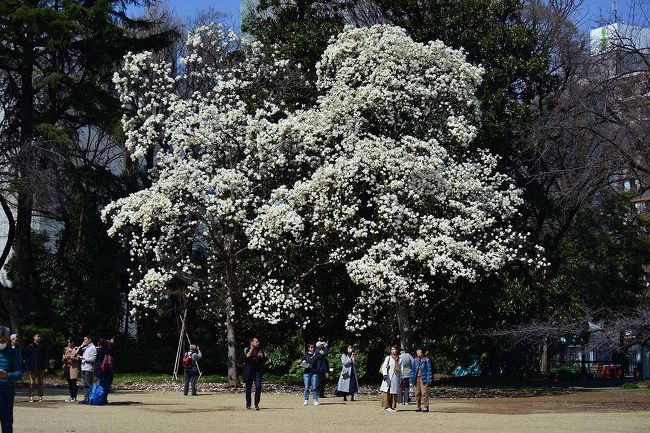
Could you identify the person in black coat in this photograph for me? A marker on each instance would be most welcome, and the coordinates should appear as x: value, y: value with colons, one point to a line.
x: 36, y: 364
x: 253, y: 366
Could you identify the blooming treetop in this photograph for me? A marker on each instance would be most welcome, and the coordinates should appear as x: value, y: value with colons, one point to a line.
x: 389, y: 185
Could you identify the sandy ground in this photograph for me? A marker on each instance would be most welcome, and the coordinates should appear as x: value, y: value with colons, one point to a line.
x: 589, y: 412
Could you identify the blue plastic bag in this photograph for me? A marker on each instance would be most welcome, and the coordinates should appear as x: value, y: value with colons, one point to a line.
x: 97, y: 395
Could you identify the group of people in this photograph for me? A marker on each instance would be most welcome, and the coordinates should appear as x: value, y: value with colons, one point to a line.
x: 401, y: 370
x: 90, y: 361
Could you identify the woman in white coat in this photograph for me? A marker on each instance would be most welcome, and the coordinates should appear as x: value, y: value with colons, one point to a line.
x: 348, y: 382
x: 390, y: 386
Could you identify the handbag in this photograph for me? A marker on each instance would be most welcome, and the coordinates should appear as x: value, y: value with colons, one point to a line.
x: 304, y: 364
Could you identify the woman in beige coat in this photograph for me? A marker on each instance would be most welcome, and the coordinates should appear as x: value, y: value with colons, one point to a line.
x: 71, y: 369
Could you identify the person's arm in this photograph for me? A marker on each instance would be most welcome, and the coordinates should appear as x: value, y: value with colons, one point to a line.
x: 198, y: 355
x: 90, y: 354
x: 346, y: 360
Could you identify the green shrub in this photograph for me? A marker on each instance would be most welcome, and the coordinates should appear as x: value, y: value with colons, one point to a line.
x: 629, y: 386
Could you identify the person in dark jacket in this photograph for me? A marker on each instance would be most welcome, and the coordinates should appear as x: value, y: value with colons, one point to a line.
x: 192, y: 370
x: 253, y: 366
x: 322, y: 366
x: 36, y: 363
x: 10, y: 372
x: 310, y: 375
x: 104, y: 366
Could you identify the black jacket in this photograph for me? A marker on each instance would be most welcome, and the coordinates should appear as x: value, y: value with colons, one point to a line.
x: 36, y: 357
x: 253, y: 364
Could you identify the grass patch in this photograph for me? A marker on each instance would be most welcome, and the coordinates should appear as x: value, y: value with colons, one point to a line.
x: 629, y: 386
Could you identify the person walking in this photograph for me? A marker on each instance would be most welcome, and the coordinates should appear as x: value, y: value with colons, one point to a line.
x: 310, y: 373
x: 391, y: 380
x: 322, y: 365
x: 36, y: 364
x: 405, y: 367
x: 71, y: 369
x: 191, y: 368
x: 348, y: 383
x: 422, y: 377
x: 103, y: 367
x: 253, y: 366
x: 87, y: 355
x: 10, y: 372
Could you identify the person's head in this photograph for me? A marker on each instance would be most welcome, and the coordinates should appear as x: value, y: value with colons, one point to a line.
x: 254, y: 342
x: 102, y: 342
x: 71, y: 343
x: 14, y: 340
x: 5, y: 333
x: 192, y: 347
x: 394, y: 350
x: 311, y: 347
x: 37, y: 338
x: 420, y: 351
x: 87, y: 340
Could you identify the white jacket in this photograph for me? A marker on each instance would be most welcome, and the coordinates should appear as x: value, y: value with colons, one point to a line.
x: 88, y: 358
x: 394, y: 377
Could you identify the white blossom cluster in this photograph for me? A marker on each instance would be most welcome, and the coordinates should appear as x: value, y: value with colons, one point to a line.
x: 378, y: 174
x: 388, y: 183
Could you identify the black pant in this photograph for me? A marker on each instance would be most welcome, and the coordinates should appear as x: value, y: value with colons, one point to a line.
x: 72, y: 387
x: 257, y: 378
x: 7, y: 410
x: 321, y: 384
x: 190, y: 379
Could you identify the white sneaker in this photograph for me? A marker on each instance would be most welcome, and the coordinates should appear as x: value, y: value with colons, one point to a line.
x: 315, y: 402
x: 389, y: 409
x: 306, y: 403
x: 40, y: 399
x: 31, y: 399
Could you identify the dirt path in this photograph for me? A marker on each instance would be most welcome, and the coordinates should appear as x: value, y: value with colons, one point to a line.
x: 588, y: 412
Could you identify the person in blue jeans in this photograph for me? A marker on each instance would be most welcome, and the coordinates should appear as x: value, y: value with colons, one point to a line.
x: 104, y: 366
x: 310, y: 364
x: 10, y: 372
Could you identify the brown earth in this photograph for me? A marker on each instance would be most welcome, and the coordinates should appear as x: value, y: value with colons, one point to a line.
x: 136, y: 411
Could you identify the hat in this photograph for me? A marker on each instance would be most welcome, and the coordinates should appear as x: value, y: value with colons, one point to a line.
x: 13, y: 336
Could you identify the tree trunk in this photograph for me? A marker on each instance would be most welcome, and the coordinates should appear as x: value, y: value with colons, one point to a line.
x: 231, y: 336
x: 23, y: 249
x: 8, y: 294
x: 404, y: 323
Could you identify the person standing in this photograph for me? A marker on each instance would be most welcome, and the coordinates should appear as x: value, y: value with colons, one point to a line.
x: 422, y: 377
x: 191, y: 368
x: 87, y: 358
x: 103, y: 367
x: 322, y: 366
x: 405, y: 367
x: 10, y: 372
x: 71, y: 369
x: 392, y: 379
x: 36, y: 364
x: 253, y: 365
x: 310, y: 373
x: 348, y: 383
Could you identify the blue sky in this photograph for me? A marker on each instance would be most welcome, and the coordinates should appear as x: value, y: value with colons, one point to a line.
x: 593, y: 9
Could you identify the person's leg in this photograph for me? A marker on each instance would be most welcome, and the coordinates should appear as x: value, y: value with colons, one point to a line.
x: 425, y: 396
x: 7, y: 411
x: 70, y: 388
x: 258, y: 389
x: 193, y: 380
x: 418, y: 393
x: 394, y: 401
x: 314, y: 387
x: 305, y: 379
x: 41, y: 383
x: 74, y: 388
x: 32, y: 382
x: 103, y: 382
x: 186, y: 386
x: 249, y: 384
x: 321, y: 385
x: 88, y: 384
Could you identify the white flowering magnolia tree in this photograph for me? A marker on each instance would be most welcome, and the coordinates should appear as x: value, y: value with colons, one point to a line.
x: 186, y: 232
x: 377, y: 176
x: 391, y: 187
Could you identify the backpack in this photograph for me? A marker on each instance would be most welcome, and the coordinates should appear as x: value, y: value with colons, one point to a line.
x: 107, y: 363
x: 97, y: 395
x: 187, y: 360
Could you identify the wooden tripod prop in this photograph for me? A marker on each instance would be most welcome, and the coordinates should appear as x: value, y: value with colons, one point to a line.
x: 179, y: 350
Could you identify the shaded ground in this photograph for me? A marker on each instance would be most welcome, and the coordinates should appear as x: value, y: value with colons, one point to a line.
x: 134, y: 411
